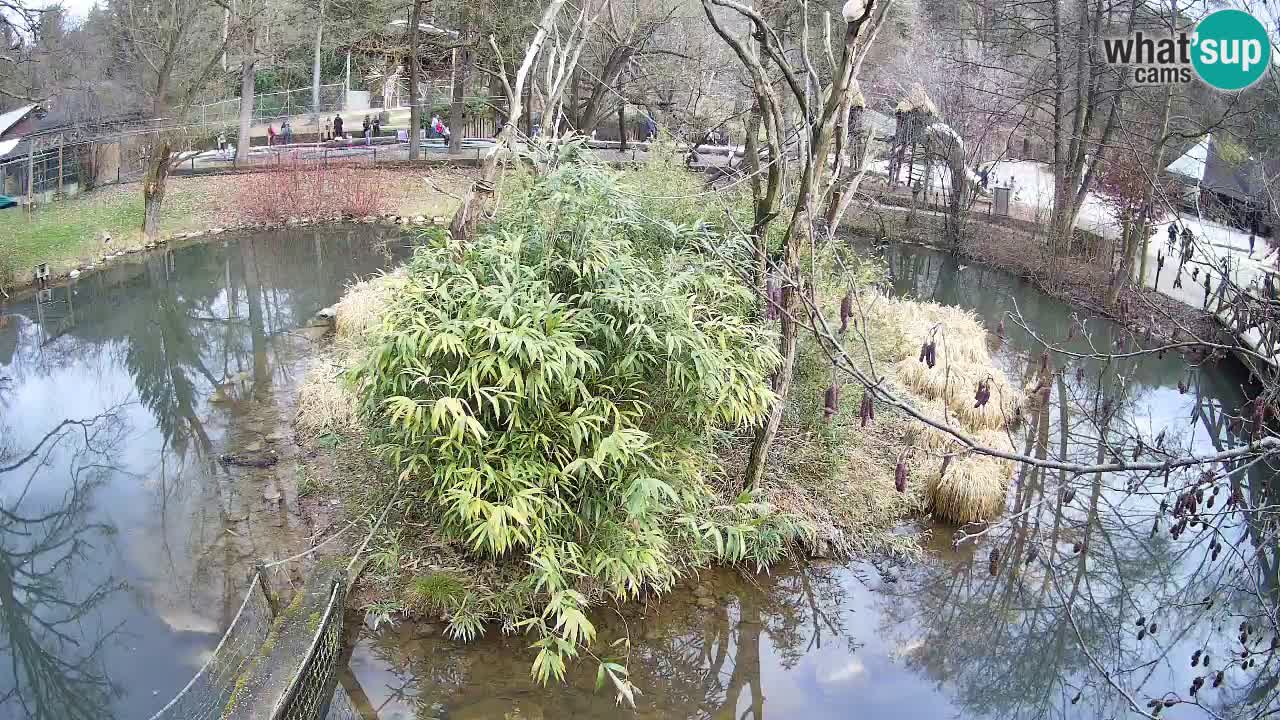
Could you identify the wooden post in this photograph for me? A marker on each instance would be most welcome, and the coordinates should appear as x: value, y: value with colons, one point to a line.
x: 31, y: 174
x: 60, y: 148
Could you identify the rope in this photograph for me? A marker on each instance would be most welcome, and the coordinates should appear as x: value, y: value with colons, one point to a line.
x: 214, y: 655
x: 373, y: 531
x: 314, y: 548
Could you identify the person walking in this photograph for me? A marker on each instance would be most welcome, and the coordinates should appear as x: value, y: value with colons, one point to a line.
x: 328, y: 131
x: 377, y: 126
x: 337, y: 127
x: 368, y: 129
x: 286, y: 132
x: 271, y: 134
x: 1173, y: 236
x: 1252, y: 239
x: 222, y: 141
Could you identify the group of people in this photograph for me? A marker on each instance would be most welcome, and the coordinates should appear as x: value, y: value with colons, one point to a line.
x: 439, y: 128
x: 333, y: 129
x: 285, y: 135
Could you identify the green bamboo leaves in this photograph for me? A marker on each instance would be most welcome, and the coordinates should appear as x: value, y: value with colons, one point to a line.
x: 552, y: 398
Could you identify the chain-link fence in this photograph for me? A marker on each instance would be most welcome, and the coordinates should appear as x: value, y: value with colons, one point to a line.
x: 215, y: 688
x: 309, y: 693
x: 269, y: 106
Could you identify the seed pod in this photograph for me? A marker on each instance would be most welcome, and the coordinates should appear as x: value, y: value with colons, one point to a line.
x: 900, y: 477
x: 993, y: 560
x: 1217, y: 679
x: 1205, y: 661
x: 982, y: 395
x: 1068, y: 495
x: 846, y: 312
x: 831, y: 402
x: 1152, y: 628
x: 1142, y: 633
x: 1142, y: 621
x: 1170, y: 702
x: 1076, y: 699
x: 1195, y: 658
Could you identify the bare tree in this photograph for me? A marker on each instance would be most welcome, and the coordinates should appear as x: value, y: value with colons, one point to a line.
x: 168, y: 54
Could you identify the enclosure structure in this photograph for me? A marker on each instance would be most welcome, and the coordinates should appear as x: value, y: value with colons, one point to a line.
x: 1221, y: 183
x: 909, y: 151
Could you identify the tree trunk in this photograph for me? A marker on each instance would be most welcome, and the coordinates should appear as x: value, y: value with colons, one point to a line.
x: 473, y: 203
x: 248, y: 86
x: 622, y: 127
x: 153, y: 188
x: 315, y: 68
x: 457, y: 113
x: 415, y: 112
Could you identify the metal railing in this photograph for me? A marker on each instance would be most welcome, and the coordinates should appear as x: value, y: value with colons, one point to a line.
x: 311, y: 689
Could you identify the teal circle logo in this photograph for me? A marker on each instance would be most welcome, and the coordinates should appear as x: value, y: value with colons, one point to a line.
x: 1231, y: 50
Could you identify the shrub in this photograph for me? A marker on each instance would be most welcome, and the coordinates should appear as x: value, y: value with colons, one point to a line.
x: 310, y: 189
x: 551, y: 396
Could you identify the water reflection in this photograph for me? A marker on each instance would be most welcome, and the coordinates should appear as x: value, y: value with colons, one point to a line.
x: 1096, y: 594
x: 50, y: 592
x: 194, y: 350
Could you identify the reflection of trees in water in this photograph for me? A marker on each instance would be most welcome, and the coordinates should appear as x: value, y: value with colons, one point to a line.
x: 1055, y: 623
x: 48, y: 603
x: 697, y: 663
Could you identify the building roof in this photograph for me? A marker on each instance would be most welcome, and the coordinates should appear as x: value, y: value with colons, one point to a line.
x: 1204, y: 165
x: 13, y: 117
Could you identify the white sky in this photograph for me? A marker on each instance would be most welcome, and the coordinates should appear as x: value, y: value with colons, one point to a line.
x: 75, y: 8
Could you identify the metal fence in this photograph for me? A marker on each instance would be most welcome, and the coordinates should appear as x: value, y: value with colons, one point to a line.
x: 269, y: 106
x: 309, y: 693
x: 213, y: 691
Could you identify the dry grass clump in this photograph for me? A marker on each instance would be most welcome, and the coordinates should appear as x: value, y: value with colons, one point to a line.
x: 325, y: 403
x: 961, y: 487
x: 968, y: 487
x: 363, y: 307
x: 957, y: 383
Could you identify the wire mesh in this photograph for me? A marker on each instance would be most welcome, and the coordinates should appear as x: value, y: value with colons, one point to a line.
x: 309, y: 693
x: 215, y: 687
x: 342, y: 707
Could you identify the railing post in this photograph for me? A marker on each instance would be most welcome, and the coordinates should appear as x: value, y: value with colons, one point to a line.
x: 273, y: 601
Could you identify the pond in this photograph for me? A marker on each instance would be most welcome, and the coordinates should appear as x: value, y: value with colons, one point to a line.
x: 125, y: 545
x: 1052, y: 633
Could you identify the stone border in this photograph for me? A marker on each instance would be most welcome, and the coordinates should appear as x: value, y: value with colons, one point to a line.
x: 104, y: 261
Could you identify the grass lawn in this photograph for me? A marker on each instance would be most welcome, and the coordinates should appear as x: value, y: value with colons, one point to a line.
x: 67, y: 234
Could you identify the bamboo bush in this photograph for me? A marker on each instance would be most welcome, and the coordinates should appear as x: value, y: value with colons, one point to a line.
x: 549, y: 393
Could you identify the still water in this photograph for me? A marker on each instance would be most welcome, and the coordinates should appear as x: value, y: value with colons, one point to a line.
x: 124, y: 544
x: 1052, y: 637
